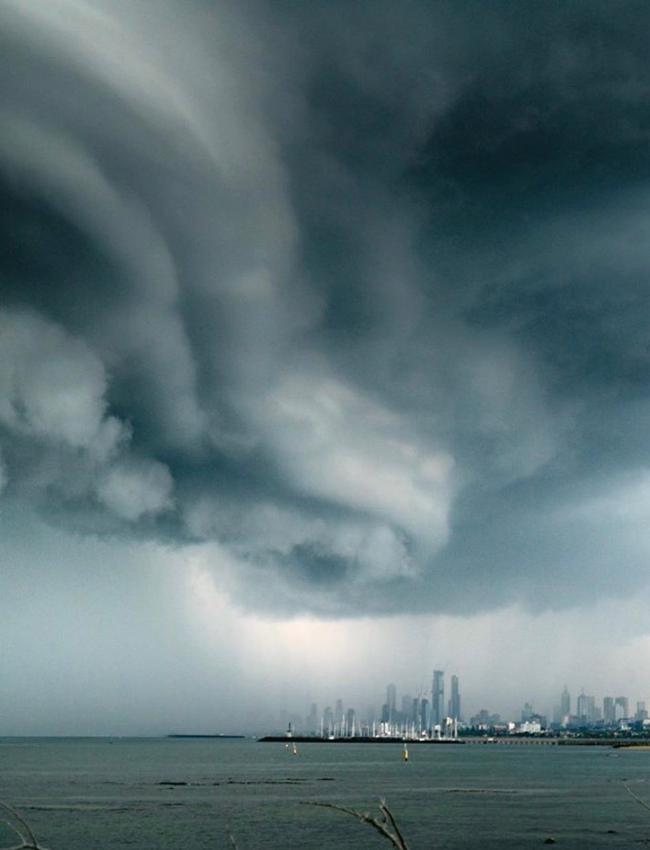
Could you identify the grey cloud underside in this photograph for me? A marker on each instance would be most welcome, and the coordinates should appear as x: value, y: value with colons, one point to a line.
x: 361, y: 298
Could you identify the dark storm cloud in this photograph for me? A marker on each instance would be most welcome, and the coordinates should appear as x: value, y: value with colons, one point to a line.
x: 359, y: 291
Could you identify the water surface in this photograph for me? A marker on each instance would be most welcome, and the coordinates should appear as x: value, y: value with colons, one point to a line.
x: 95, y: 794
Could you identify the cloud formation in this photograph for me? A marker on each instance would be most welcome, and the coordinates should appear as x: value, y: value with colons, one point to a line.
x: 364, y: 304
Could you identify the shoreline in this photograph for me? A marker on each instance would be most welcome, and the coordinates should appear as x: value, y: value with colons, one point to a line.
x: 615, y: 743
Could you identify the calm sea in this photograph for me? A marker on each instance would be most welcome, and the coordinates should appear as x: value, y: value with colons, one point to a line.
x: 95, y: 794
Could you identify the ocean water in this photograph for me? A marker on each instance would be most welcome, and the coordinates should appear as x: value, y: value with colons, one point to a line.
x: 95, y: 794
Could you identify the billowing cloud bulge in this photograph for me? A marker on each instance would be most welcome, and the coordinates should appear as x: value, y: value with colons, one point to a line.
x: 355, y: 294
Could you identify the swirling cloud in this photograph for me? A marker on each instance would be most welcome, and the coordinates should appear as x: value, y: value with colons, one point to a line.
x: 363, y: 305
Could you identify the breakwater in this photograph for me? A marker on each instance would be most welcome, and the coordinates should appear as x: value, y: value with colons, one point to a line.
x: 307, y: 739
x: 476, y: 740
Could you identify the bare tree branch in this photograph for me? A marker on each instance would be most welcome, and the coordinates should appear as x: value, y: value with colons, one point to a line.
x: 387, y: 812
x: 396, y: 838
x: 638, y: 799
x: 22, y: 830
x: 231, y: 839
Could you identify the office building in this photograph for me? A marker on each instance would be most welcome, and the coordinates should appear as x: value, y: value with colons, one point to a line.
x: 351, y: 723
x: 621, y: 708
x: 391, y: 702
x: 454, y: 700
x: 425, y: 715
x: 328, y: 721
x: 415, y: 712
x: 407, y: 702
x: 438, y: 698
x: 586, y: 709
x: 565, y: 703
x: 338, y: 713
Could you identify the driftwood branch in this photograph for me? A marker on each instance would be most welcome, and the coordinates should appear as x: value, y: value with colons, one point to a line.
x: 386, y: 825
x: 389, y: 815
x: 231, y: 839
x: 22, y: 829
x: 634, y: 796
x: 396, y: 838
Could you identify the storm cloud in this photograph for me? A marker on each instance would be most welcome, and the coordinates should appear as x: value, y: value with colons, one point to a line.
x: 357, y: 292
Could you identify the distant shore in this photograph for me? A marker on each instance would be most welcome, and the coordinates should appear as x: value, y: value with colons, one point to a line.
x: 306, y: 739
x: 505, y: 740
x: 190, y: 735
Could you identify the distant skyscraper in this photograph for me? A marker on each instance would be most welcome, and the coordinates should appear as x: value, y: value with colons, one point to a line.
x: 414, y: 716
x: 609, y: 714
x: 391, y: 701
x: 407, y: 702
x: 621, y: 708
x: 454, y: 700
x: 425, y: 719
x: 338, y: 712
x: 586, y: 708
x: 641, y: 713
x: 565, y: 703
x: 328, y: 721
x: 438, y: 698
x: 350, y: 723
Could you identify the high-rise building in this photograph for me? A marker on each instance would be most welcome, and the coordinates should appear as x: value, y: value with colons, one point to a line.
x: 454, y: 700
x: 350, y: 723
x: 407, y: 702
x: 391, y: 701
x: 438, y: 698
x: 425, y: 715
x: 565, y: 703
x: 328, y: 721
x: 621, y: 708
x: 609, y: 714
x: 641, y: 713
x: 586, y: 709
x: 415, y: 712
x: 527, y: 712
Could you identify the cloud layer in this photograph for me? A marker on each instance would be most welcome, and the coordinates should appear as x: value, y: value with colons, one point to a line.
x: 364, y: 305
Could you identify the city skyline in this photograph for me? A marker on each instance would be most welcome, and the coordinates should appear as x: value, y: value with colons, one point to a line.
x: 572, y: 710
x: 308, y: 659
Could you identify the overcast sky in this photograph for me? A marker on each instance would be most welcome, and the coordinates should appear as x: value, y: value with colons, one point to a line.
x: 324, y: 356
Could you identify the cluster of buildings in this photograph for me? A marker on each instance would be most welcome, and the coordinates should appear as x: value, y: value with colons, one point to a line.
x: 434, y: 715
x: 427, y: 715
x: 612, y: 715
x: 421, y: 717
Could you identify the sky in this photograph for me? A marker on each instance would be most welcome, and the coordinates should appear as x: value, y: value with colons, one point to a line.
x: 324, y: 357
